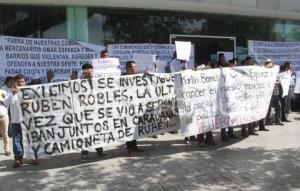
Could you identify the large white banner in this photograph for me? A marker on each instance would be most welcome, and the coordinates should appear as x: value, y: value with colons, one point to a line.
x: 33, y: 57
x: 163, y: 52
x: 278, y: 52
x: 80, y: 114
x: 214, y: 99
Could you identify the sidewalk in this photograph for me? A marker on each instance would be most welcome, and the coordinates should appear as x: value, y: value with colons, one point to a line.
x: 270, y: 161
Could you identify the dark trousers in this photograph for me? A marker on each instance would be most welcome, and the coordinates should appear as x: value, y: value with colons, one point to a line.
x: 17, y: 141
x: 284, y: 108
x: 131, y: 145
x: 275, y: 102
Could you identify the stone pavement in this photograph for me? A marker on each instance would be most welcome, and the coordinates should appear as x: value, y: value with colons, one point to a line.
x: 270, y: 161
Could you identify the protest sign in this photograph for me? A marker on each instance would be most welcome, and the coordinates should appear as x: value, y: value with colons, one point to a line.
x: 197, y: 100
x: 297, y: 85
x: 145, y: 62
x: 106, y: 67
x: 221, y: 98
x: 183, y: 50
x: 33, y: 57
x: 71, y: 116
x: 164, y: 52
x: 278, y: 52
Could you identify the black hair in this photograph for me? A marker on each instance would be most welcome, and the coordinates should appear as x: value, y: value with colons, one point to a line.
x: 8, y: 78
x: 87, y: 66
x: 19, y: 77
x: 129, y: 63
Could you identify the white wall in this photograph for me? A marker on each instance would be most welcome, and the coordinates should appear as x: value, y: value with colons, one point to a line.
x: 289, y: 9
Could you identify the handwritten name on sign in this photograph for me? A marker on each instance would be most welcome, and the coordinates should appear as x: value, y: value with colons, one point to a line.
x: 71, y: 116
x: 221, y: 98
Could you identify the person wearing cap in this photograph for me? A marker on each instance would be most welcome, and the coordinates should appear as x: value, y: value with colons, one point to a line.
x: 88, y: 73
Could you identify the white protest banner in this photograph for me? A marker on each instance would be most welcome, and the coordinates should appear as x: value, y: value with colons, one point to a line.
x: 297, y: 85
x: 245, y: 94
x: 164, y: 52
x: 278, y: 52
x: 228, y: 55
x: 71, y: 116
x: 221, y: 98
x: 183, y: 50
x: 106, y: 67
x: 285, y: 80
x: 145, y: 62
x: 197, y: 100
x: 33, y: 57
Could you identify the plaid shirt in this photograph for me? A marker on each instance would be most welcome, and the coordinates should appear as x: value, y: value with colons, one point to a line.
x: 277, y: 89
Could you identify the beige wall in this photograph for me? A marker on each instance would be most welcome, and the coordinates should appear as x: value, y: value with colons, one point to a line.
x: 267, y: 8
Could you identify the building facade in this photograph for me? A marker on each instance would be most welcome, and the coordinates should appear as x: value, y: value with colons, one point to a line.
x: 212, y: 25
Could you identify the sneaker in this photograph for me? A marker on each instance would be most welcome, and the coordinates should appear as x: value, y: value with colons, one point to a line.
x: 186, y: 141
x: 285, y: 120
x: 253, y: 133
x: 263, y: 129
x: 279, y: 123
x: 7, y: 153
x: 17, y: 164
x: 137, y: 149
x: 84, y: 158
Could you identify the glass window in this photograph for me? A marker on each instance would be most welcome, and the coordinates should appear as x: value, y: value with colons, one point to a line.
x: 33, y: 21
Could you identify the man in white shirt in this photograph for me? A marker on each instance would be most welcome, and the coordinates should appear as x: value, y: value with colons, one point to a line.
x: 13, y: 102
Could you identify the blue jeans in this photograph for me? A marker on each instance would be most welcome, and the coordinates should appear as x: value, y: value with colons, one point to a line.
x: 17, y: 141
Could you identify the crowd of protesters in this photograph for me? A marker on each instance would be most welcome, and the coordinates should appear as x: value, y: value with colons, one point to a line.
x: 10, y: 111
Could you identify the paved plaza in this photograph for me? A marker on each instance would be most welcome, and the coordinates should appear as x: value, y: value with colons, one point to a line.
x: 270, y: 161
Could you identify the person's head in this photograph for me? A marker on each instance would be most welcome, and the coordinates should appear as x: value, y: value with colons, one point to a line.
x: 74, y: 75
x: 131, y: 67
x: 9, y: 81
x: 248, y: 61
x: 231, y: 63
x: 174, y: 55
x: 221, y: 57
x: 282, y: 68
x: 50, y: 75
x: 20, y: 80
x: 287, y: 66
x: 87, y: 70
x: 104, y: 54
x: 268, y: 63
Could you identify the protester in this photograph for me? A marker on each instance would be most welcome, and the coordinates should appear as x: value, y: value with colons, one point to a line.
x: 50, y: 76
x: 104, y: 54
x: 248, y: 61
x: 88, y: 73
x: 275, y: 99
x: 74, y: 75
x: 4, y: 121
x: 284, y: 99
x: 206, y: 138
x: 221, y: 60
x: 132, y: 145
x: 13, y: 101
x: 8, y: 83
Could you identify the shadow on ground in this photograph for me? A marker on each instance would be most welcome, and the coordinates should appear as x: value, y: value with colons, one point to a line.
x: 165, y: 165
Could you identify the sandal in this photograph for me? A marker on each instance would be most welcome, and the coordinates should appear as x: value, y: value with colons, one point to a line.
x: 7, y: 153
